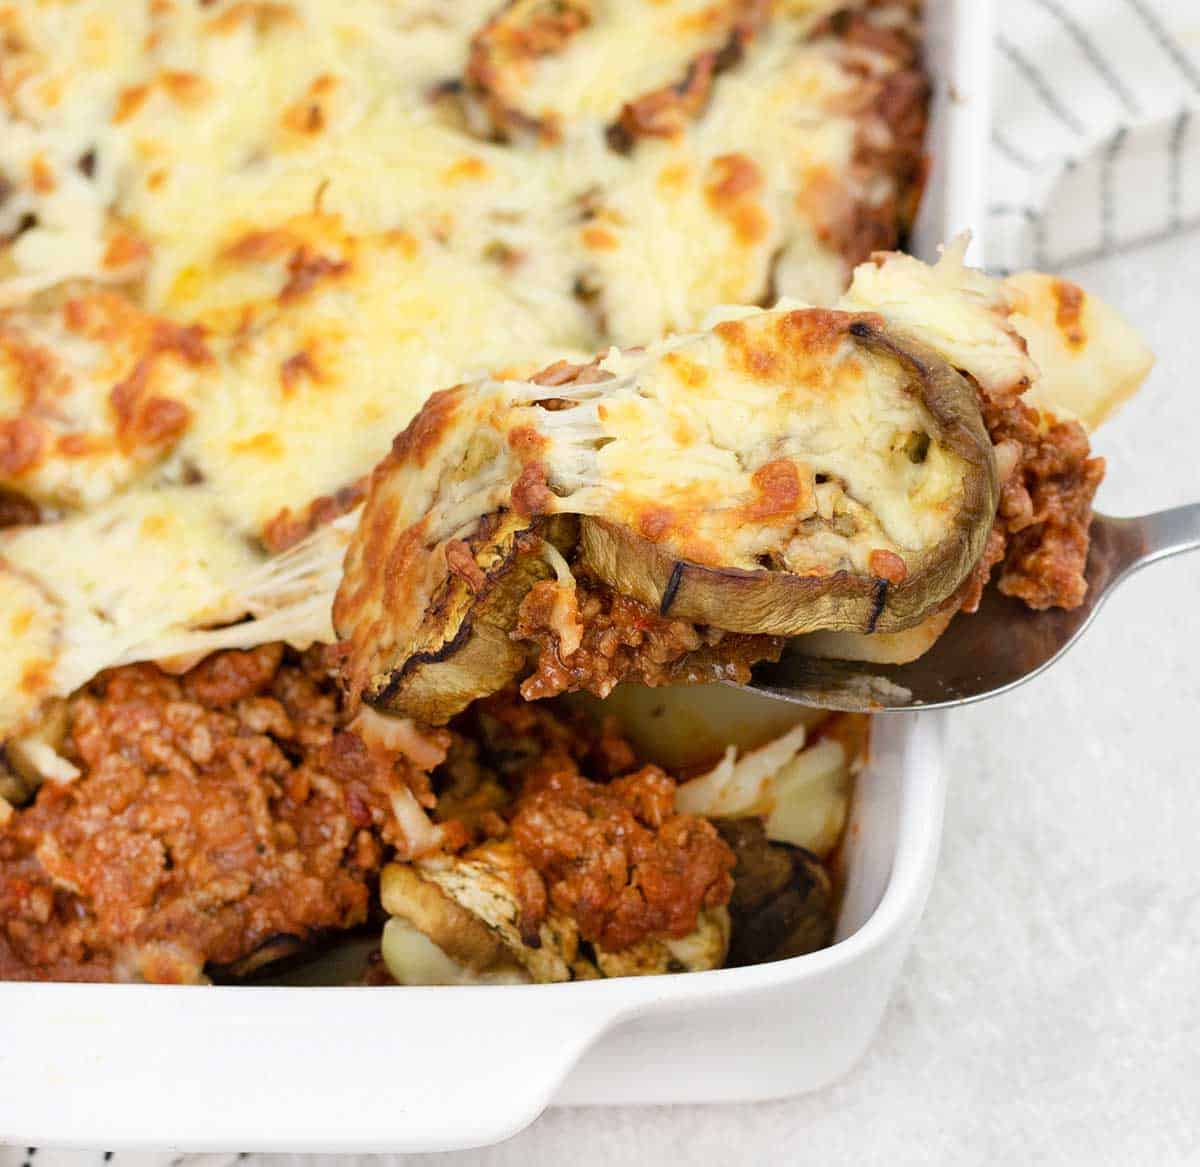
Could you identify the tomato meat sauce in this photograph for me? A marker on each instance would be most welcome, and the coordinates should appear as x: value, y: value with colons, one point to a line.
x: 214, y: 814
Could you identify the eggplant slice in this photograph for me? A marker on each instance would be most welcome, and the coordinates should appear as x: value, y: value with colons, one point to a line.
x: 785, y: 472
x: 533, y: 66
x: 874, y: 488
x: 783, y: 899
x: 458, y: 920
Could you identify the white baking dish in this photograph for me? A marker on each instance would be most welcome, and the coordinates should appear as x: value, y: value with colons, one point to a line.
x: 361, y: 1070
x: 368, y: 1069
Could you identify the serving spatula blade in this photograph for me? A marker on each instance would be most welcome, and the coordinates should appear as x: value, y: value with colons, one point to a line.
x: 1001, y: 646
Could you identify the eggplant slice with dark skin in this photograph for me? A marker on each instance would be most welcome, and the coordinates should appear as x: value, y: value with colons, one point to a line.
x: 782, y: 603
x: 783, y: 473
x: 696, y: 42
x: 783, y: 901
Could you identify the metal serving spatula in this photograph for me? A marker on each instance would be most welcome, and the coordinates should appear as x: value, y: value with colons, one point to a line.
x: 1002, y: 646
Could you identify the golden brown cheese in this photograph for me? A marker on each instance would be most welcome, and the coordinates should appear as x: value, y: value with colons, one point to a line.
x: 737, y: 215
x: 98, y: 584
x: 803, y: 462
x: 782, y: 472
x: 242, y: 241
x: 92, y: 392
x: 776, y: 436
x: 329, y: 342
x: 32, y: 625
x: 152, y: 122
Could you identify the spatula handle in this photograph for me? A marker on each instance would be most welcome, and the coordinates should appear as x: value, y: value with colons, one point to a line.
x: 1170, y: 532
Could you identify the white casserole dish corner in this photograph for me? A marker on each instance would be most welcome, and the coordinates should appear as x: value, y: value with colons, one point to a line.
x: 420, y: 1069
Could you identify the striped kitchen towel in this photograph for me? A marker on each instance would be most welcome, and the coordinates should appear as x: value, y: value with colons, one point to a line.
x: 1096, y: 128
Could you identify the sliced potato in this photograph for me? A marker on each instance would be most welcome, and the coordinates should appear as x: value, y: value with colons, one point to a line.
x: 683, y: 727
x: 1031, y: 334
x: 799, y: 788
x: 1091, y: 360
x: 890, y: 648
x: 413, y: 958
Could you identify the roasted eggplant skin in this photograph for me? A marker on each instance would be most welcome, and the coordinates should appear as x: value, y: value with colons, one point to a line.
x: 466, y: 650
x: 783, y: 900
x: 779, y: 603
x: 427, y: 617
x: 422, y: 615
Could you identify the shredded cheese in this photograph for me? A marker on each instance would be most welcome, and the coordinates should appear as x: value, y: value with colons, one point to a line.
x: 42, y: 759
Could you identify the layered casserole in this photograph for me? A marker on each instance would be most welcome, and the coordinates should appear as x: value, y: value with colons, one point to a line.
x: 396, y: 394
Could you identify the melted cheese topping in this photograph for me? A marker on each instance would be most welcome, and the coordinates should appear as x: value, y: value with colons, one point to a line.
x: 726, y: 206
x: 774, y: 434
x: 145, y: 563
x: 32, y: 624
x: 771, y: 440
x: 242, y: 241
x: 959, y: 311
x: 343, y: 350
x: 605, y: 63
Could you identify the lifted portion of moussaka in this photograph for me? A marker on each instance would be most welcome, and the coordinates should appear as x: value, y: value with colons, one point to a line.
x: 668, y: 514
x: 784, y: 472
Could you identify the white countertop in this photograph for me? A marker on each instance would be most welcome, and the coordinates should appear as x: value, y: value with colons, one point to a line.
x: 1051, y: 1009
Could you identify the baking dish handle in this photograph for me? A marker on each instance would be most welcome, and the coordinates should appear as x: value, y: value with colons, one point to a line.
x: 452, y: 1068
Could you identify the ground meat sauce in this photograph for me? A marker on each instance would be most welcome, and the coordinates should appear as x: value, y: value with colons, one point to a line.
x: 610, y: 853
x: 891, y: 132
x: 617, y: 858
x: 624, y: 640
x: 216, y: 812
x: 1045, y: 507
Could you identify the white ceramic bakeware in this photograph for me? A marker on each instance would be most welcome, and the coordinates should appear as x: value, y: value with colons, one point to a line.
x: 368, y: 1069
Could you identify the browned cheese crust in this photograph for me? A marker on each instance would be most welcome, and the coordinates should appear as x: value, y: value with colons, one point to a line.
x: 109, y: 415
x: 653, y: 553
